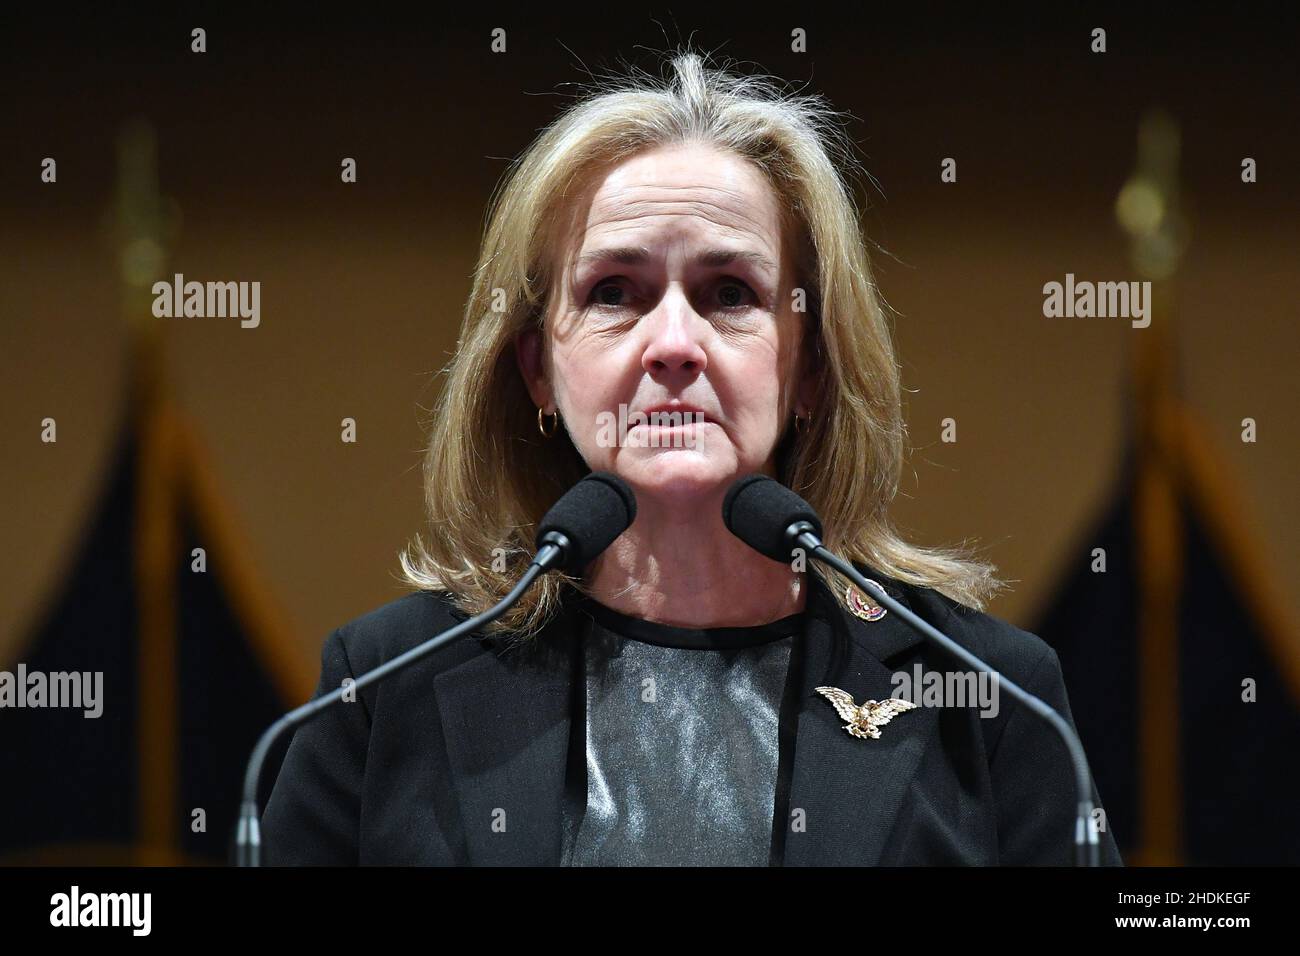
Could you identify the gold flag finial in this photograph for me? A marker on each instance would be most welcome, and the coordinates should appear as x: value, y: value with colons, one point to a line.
x: 1149, y: 206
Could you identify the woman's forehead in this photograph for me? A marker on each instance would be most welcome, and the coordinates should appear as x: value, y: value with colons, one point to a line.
x: 683, y: 166
x: 683, y: 193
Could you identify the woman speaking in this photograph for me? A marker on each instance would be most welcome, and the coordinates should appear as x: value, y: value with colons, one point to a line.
x: 673, y: 288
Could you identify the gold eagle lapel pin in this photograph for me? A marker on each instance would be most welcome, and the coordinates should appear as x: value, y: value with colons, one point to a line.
x: 865, y: 721
x: 859, y: 607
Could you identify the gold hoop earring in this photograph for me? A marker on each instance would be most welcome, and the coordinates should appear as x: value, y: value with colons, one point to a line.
x: 805, y: 419
x: 555, y: 423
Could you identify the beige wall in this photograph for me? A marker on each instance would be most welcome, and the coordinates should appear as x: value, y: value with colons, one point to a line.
x: 358, y: 330
x: 362, y: 289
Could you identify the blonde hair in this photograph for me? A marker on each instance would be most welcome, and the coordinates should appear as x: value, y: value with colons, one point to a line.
x: 490, y: 476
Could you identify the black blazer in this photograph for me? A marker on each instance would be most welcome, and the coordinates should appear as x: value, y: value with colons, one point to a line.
x: 417, y: 769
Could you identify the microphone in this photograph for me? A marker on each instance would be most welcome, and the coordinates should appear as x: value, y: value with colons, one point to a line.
x: 582, y: 524
x: 768, y: 516
x: 585, y: 522
x: 774, y: 521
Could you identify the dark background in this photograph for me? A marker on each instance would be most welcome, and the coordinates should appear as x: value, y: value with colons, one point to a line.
x: 363, y: 285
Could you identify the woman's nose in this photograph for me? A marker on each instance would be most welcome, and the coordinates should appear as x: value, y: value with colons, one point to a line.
x: 674, y: 329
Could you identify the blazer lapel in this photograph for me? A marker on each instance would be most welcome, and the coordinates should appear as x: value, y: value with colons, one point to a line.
x: 506, y: 723
x: 507, y: 727
x: 845, y: 791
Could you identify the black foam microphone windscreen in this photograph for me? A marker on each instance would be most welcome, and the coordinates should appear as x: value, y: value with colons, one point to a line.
x: 591, y: 515
x: 759, y: 509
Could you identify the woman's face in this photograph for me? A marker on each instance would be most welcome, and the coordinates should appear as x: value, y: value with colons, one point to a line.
x: 673, y: 290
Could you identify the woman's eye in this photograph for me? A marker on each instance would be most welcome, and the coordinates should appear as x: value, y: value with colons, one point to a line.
x: 604, y: 293
x: 732, y: 293
x: 729, y: 294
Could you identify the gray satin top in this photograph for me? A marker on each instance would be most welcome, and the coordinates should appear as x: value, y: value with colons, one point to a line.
x: 681, y: 741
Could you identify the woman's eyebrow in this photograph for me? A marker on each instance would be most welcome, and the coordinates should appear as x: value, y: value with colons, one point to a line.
x: 638, y: 255
x: 623, y: 255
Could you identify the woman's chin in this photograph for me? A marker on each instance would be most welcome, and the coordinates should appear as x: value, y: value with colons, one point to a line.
x: 675, y: 473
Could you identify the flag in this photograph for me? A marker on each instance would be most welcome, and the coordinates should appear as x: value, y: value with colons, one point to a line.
x: 195, y: 664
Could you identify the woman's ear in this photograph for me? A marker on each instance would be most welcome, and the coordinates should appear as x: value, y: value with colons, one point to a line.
x: 811, y: 373
x: 528, y: 357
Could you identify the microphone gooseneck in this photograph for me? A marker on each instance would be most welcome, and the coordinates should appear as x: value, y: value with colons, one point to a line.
x: 775, y: 521
x: 582, y: 524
